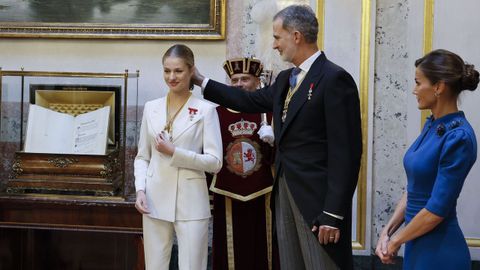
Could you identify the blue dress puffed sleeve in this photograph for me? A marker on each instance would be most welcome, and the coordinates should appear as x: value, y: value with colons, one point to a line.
x: 437, y: 164
x: 457, y: 157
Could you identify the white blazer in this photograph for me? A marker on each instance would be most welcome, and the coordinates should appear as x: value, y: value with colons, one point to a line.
x: 175, y: 186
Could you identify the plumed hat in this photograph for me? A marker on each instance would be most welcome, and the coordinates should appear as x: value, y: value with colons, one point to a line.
x: 243, y: 65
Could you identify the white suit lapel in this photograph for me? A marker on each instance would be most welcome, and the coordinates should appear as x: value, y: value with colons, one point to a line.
x: 158, y: 116
x: 187, y: 117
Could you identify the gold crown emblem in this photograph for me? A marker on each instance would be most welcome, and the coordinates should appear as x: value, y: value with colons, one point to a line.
x: 242, y: 128
x: 243, y: 66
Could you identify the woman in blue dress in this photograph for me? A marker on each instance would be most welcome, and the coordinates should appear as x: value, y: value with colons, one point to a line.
x: 436, y: 165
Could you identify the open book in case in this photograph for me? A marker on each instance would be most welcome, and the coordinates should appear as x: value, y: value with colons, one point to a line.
x: 72, y: 135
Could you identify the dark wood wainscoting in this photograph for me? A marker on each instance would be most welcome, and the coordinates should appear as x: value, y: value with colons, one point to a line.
x: 65, y: 232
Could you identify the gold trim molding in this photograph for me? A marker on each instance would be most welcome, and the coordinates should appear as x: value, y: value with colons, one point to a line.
x: 17, y: 168
x: 213, y: 30
x: 237, y: 196
x: 229, y: 224
x: 428, y: 24
x: 473, y: 242
x: 428, y: 28
x: 359, y: 243
x: 321, y: 24
x: 428, y: 32
x: 268, y: 229
x: 62, y: 162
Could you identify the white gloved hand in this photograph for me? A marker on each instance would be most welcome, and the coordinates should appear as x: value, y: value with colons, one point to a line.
x: 266, y: 134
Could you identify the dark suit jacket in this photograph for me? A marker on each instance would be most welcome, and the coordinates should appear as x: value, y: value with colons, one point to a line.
x: 318, y: 147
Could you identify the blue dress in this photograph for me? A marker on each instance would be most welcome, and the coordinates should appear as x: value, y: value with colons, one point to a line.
x: 437, y: 164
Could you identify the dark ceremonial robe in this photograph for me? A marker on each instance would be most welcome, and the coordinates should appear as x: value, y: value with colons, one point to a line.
x: 242, y: 218
x: 318, y: 147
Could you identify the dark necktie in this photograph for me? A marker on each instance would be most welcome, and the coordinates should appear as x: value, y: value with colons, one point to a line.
x: 293, y: 77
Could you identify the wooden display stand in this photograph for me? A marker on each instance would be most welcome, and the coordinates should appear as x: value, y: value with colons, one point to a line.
x: 44, y: 172
x: 58, y: 232
x: 69, y: 211
x: 99, y: 175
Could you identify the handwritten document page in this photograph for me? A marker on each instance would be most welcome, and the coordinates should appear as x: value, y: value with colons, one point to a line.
x: 91, y: 131
x: 49, y: 131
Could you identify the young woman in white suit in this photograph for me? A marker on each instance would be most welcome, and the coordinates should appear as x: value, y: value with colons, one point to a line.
x: 179, y: 140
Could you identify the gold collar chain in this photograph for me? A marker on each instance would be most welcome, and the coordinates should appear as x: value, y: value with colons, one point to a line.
x: 288, y: 98
x: 169, y: 124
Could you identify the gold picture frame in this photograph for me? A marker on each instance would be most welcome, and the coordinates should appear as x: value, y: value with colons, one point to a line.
x: 113, y: 19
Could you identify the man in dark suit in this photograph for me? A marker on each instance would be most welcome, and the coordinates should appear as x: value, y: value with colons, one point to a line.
x: 317, y: 130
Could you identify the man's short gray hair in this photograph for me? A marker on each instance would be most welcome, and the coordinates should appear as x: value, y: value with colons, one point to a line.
x: 300, y: 18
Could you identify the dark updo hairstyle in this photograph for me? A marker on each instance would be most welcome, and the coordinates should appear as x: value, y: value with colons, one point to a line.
x: 183, y: 52
x: 448, y: 67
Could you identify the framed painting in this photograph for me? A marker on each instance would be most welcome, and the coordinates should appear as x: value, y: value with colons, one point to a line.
x: 113, y: 19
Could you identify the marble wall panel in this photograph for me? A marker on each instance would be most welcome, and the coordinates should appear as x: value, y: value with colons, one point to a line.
x: 391, y: 87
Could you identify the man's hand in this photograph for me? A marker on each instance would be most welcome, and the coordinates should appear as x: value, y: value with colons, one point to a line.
x: 327, y: 234
x: 266, y: 134
x: 197, y: 77
x: 141, y: 202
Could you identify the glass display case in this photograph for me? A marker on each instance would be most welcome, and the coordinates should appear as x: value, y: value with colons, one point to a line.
x: 66, y: 132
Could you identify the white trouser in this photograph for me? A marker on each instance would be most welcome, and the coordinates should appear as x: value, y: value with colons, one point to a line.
x: 192, y: 238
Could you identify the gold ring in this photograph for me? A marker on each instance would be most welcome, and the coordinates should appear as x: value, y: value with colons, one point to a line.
x: 331, y: 237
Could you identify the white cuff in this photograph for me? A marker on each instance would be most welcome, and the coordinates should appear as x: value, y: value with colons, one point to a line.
x: 140, y: 172
x: 331, y: 227
x: 333, y: 215
x: 204, y: 84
